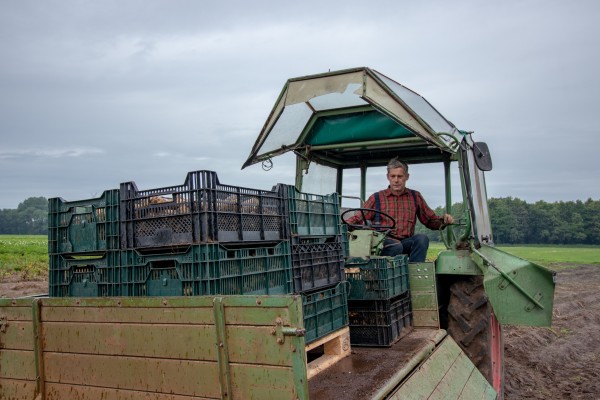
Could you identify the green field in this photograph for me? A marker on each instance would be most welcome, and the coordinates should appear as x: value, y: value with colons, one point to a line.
x: 554, y: 257
x: 27, y: 256
x: 24, y: 255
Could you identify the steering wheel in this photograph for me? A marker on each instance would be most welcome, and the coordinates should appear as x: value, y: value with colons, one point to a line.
x: 366, y: 223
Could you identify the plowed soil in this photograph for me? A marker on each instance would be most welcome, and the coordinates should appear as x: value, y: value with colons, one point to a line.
x: 561, y: 362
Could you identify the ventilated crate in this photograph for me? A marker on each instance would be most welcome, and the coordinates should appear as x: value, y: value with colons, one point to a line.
x: 325, y: 311
x: 311, y: 214
x: 377, y: 278
x: 82, y: 226
x: 202, y: 210
x: 379, y: 322
x: 208, y: 269
x: 84, y: 276
x: 317, y: 262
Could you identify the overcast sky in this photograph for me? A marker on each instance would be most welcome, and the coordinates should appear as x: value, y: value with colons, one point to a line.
x: 95, y: 93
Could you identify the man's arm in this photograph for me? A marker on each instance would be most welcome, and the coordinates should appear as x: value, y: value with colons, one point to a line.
x: 428, y: 217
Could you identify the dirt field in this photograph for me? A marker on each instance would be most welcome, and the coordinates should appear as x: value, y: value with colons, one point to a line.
x: 562, y: 362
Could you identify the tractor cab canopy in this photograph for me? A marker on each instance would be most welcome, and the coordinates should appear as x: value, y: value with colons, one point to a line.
x: 354, y: 117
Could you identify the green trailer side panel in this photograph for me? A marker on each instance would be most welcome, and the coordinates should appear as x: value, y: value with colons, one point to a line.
x: 446, y: 375
x: 182, y: 377
x: 154, y: 348
x: 17, y: 356
x: 198, y: 315
x: 263, y: 382
x: 16, y: 389
x: 57, y: 391
x: 17, y: 364
x: 134, y: 340
x: 18, y: 335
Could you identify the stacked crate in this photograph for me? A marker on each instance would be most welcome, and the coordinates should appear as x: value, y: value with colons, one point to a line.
x: 378, y: 300
x: 318, y: 253
x: 203, y: 238
x: 83, y: 246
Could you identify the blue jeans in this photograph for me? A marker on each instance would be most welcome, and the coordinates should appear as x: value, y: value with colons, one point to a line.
x: 415, y: 246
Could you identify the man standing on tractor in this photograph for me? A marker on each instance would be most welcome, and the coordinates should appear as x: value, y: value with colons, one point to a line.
x: 405, y: 206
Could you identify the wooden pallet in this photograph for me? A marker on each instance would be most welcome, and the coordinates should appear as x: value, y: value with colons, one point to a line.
x: 336, y: 346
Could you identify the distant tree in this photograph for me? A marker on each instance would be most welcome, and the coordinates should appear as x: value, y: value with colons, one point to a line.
x: 515, y: 221
x: 30, y: 218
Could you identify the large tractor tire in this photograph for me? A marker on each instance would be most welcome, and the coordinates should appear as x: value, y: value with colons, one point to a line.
x: 473, y: 325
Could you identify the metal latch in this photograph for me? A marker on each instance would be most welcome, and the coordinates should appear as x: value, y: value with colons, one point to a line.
x: 281, y: 331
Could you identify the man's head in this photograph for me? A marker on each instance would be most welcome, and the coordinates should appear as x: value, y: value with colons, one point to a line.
x: 397, y: 174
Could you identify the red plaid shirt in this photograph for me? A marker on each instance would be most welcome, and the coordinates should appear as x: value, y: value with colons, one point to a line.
x: 403, y: 209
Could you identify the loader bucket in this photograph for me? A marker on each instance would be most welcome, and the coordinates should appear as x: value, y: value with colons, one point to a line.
x: 521, y: 292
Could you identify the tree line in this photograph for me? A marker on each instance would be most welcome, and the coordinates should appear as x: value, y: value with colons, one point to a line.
x: 29, y: 218
x: 514, y: 221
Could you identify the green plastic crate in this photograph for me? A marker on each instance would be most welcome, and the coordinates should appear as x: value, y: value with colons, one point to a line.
x: 377, y: 278
x: 84, y: 226
x: 317, y: 262
x: 208, y: 269
x: 311, y: 214
x: 379, y: 322
x: 84, y: 276
x: 325, y: 311
x: 201, y: 210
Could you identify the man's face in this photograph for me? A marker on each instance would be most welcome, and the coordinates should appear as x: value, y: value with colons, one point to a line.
x: 397, y: 178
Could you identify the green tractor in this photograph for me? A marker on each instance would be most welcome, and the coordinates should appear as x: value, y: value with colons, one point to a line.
x: 356, y: 119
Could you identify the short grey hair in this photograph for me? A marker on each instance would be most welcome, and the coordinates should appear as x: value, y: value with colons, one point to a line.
x: 397, y: 163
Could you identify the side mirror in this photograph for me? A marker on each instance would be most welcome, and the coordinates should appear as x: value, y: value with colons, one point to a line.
x: 482, y: 156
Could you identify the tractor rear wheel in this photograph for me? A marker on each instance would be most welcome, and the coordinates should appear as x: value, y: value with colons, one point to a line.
x: 473, y: 325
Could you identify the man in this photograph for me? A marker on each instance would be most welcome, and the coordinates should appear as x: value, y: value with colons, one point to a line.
x: 405, y: 206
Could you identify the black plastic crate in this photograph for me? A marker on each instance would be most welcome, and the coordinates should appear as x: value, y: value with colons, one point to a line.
x: 84, y: 276
x: 317, y: 262
x: 377, y: 278
x: 379, y: 322
x: 325, y: 311
x: 84, y: 226
x: 208, y: 269
x: 310, y: 214
x: 202, y: 210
